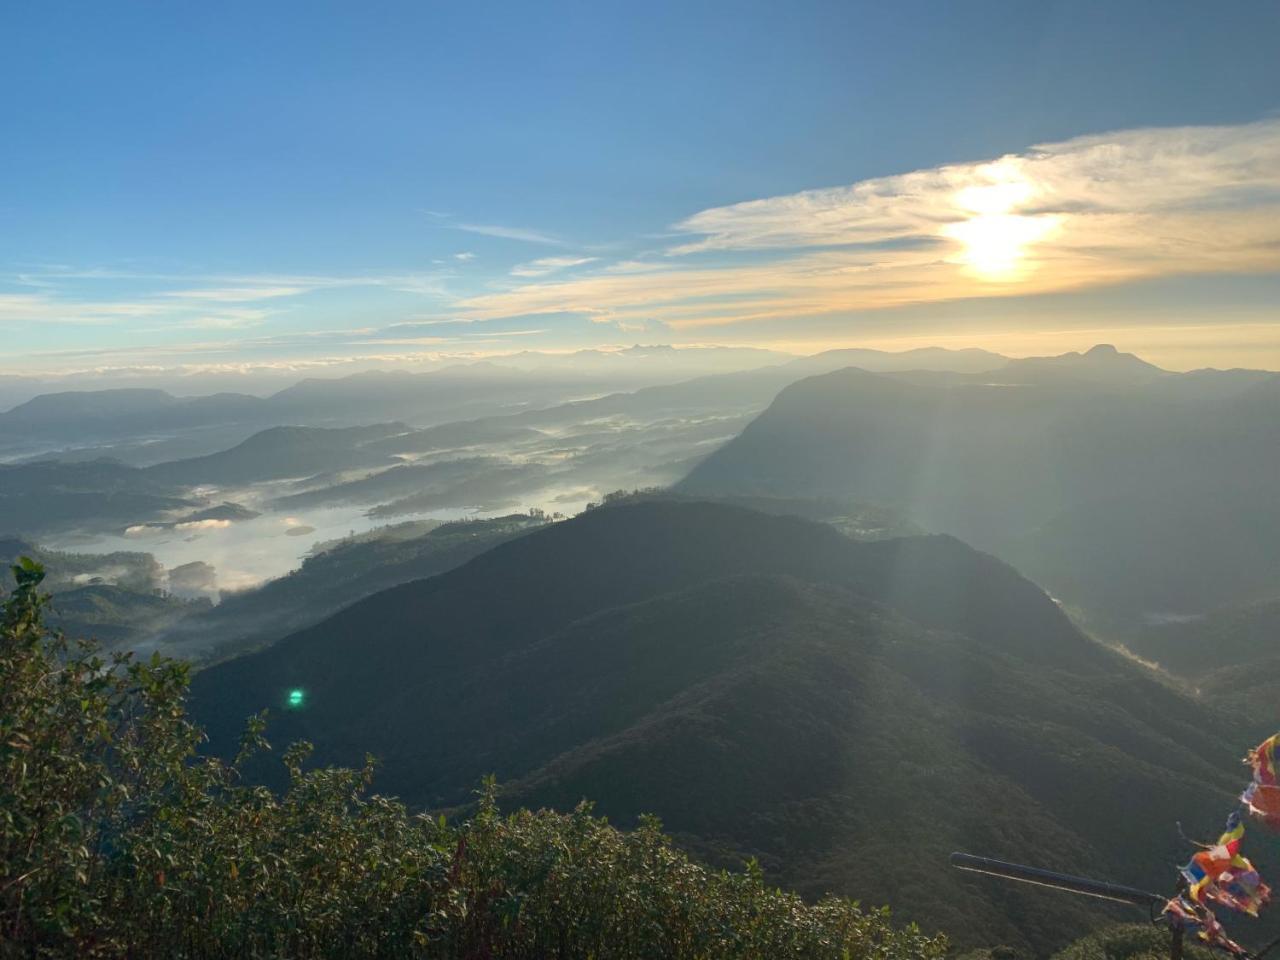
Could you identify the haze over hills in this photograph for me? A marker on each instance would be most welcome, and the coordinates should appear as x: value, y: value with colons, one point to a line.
x: 769, y: 687
x: 329, y: 579
x: 1095, y: 474
x: 455, y: 392
x: 283, y: 459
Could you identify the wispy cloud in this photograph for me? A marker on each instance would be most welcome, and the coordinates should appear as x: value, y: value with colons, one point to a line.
x: 548, y: 265
x: 509, y: 233
x: 47, y: 308
x: 238, y: 294
x: 1094, y: 210
x: 63, y: 295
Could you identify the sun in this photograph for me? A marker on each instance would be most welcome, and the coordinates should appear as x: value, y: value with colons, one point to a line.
x: 995, y: 240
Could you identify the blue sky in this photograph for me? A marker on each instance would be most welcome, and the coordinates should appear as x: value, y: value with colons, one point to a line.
x: 224, y: 184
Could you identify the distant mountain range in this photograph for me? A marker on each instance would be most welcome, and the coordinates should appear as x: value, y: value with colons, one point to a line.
x: 1124, y: 489
x: 451, y: 393
x: 79, y: 482
x: 848, y: 712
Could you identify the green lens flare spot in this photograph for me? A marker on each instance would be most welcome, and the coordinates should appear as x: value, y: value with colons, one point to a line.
x: 296, y: 696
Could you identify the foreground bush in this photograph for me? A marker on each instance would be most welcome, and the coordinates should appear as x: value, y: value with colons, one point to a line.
x: 116, y: 839
x: 1132, y: 941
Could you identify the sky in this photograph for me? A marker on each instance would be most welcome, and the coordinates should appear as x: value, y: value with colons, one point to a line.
x: 289, y: 185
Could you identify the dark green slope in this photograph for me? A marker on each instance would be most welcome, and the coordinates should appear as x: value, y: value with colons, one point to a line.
x: 1228, y: 637
x: 850, y: 750
x: 1231, y: 656
x: 1177, y: 549
x: 848, y: 712
x: 1253, y: 688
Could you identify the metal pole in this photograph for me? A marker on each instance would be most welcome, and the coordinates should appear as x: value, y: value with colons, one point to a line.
x: 1058, y: 881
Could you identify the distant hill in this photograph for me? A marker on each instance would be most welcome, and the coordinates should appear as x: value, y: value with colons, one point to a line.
x: 115, y: 616
x: 1099, y: 364
x: 1231, y: 655
x: 134, y: 571
x: 454, y: 436
x: 969, y: 360
x: 114, y: 598
x: 1254, y: 688
x: 106, y: 414
x: 847, y: 711
x: 17, y: 389
x: 1130, y: 494
x: 98, y: 494
x: 280, y: 452
x: 56, y: 407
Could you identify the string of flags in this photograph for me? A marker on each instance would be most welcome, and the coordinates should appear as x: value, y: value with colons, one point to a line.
x: 1220, y: 874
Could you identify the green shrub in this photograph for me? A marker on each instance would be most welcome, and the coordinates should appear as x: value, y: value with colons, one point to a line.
x: 118, y: 839
x: 1132, y: 941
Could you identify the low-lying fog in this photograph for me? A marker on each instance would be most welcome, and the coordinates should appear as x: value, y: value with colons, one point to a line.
x: 557, y: 469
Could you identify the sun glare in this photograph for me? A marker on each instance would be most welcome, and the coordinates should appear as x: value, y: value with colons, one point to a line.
x: 995, y: 240
x: 995, y: 245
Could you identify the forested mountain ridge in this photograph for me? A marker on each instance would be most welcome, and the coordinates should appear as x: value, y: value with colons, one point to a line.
x: 770, y: 688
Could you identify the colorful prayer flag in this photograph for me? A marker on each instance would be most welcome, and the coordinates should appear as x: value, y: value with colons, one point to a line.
x: 1220, y: 874
x: 1199, y: 919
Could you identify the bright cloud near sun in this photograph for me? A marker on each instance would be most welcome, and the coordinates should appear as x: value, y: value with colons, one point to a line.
x: 1094, y: 210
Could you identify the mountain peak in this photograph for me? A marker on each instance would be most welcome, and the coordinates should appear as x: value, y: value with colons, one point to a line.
x: 1100, y: 363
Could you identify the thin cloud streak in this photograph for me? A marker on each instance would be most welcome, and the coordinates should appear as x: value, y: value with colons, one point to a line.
x: 509, y: 233
x: 216, y: 303
x: 549, y: 265
x: 237, y: 294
